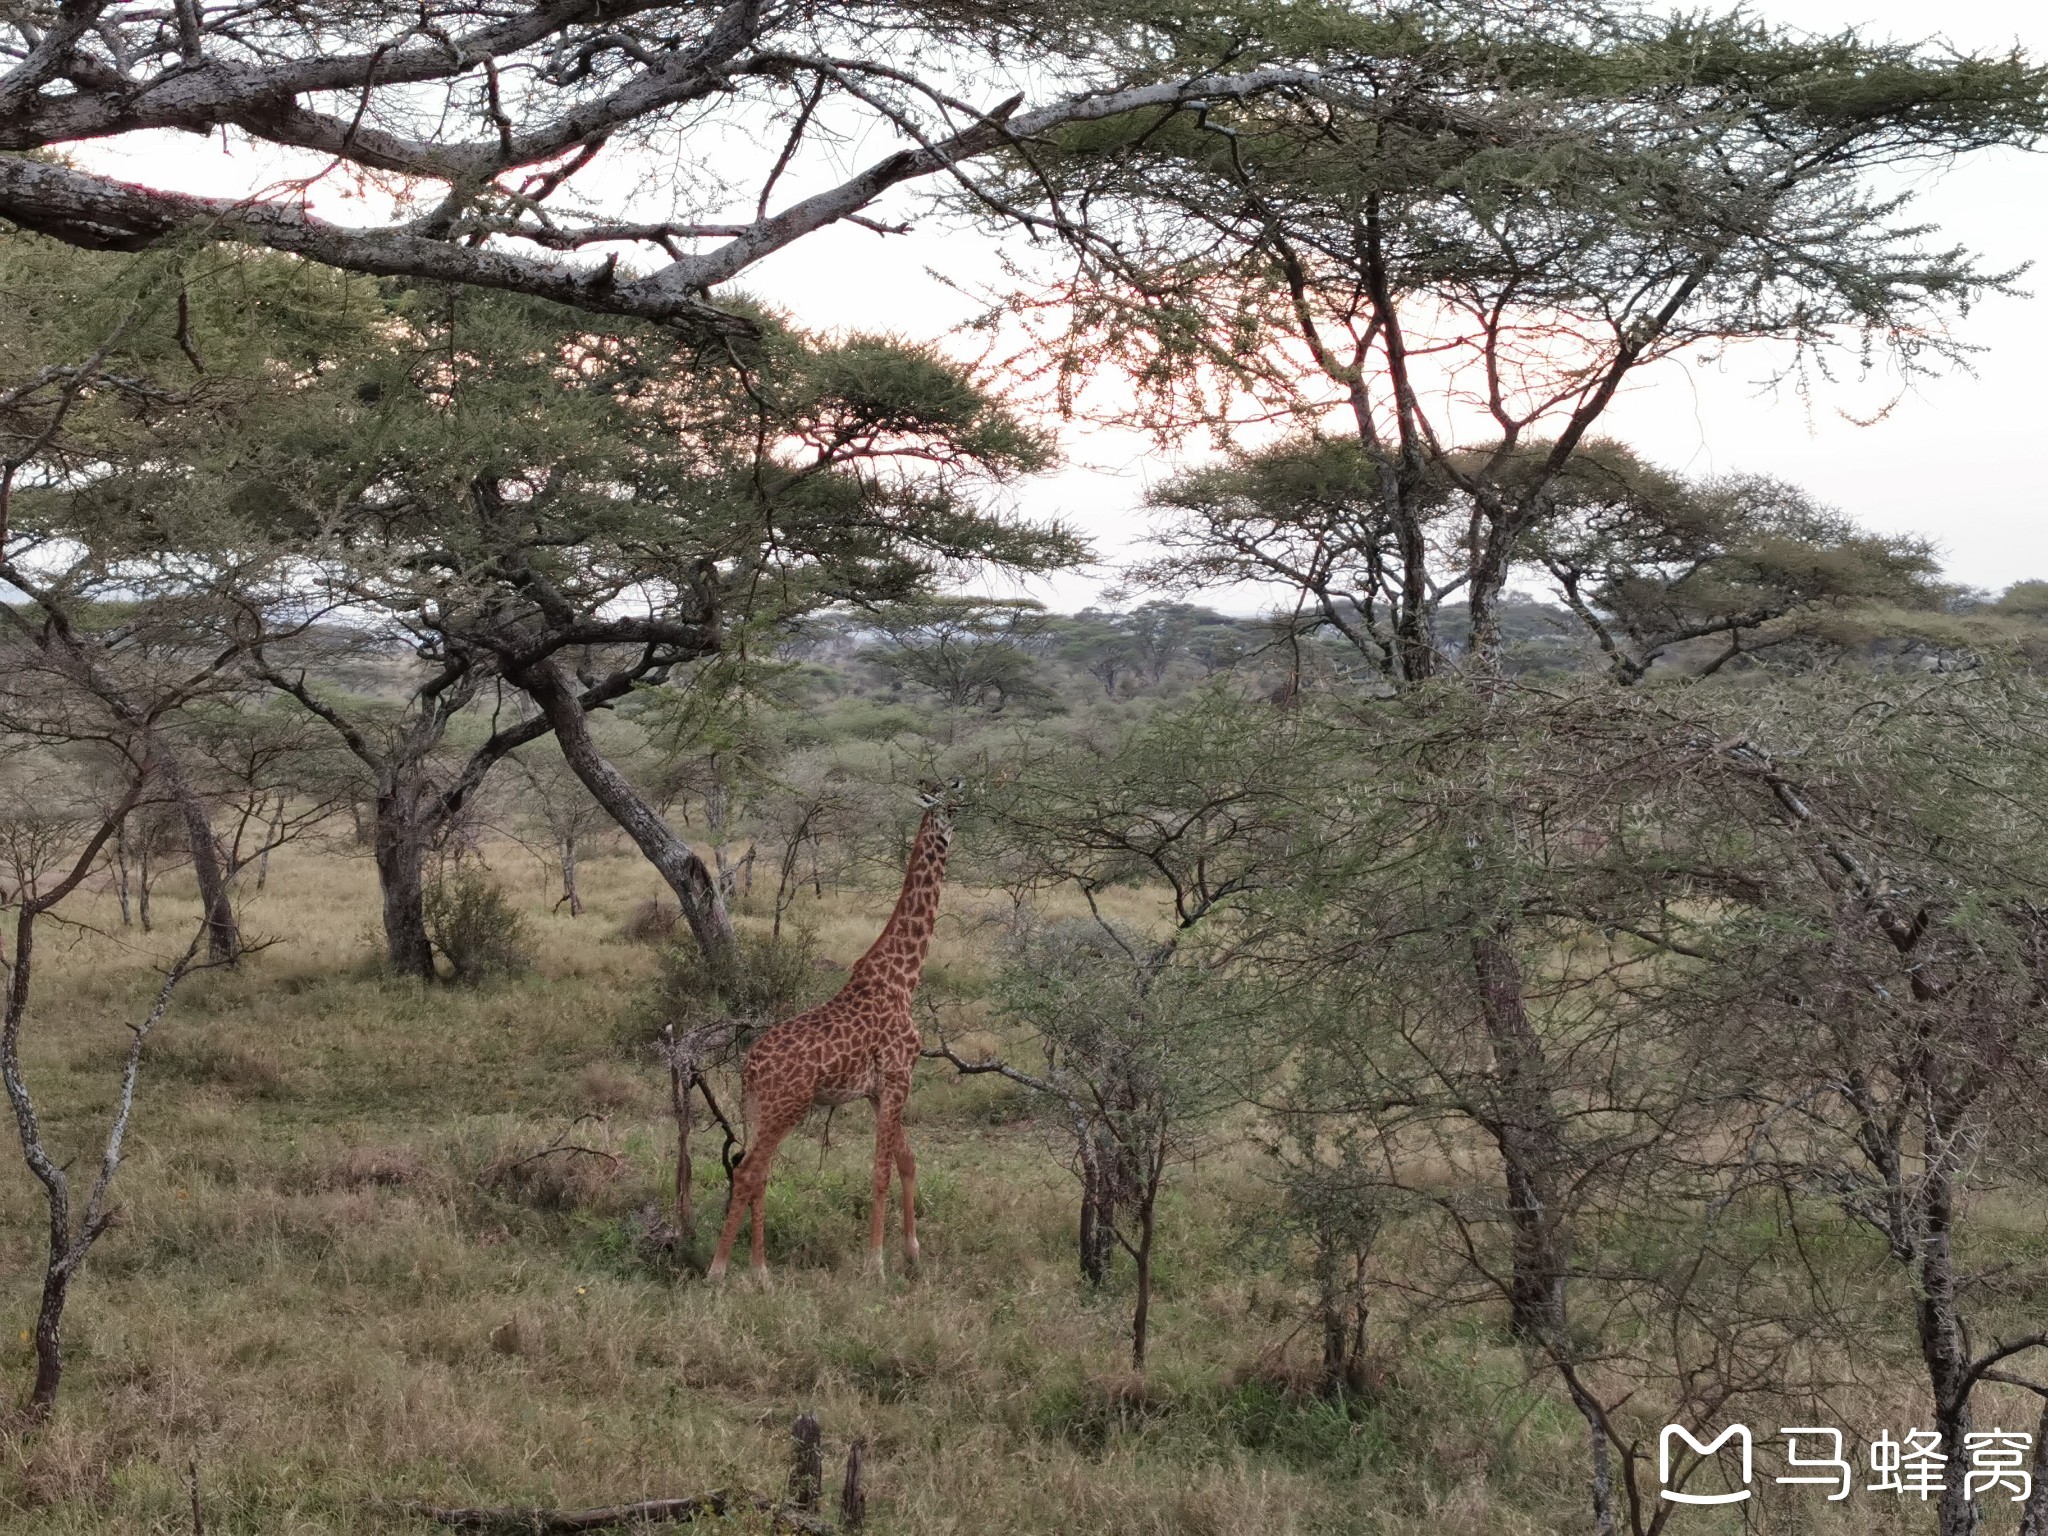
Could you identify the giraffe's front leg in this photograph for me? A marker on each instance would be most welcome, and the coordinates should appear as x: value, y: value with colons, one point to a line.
x: 749, y: 1192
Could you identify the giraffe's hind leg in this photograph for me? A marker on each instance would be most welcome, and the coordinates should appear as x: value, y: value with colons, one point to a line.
x: 906, y: 1175
x: 888, y: 1134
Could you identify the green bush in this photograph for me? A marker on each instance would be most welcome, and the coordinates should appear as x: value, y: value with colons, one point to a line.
x: 770, y: 978
x: 476, y: 928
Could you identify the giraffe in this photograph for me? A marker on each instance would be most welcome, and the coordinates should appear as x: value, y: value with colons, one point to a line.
x: 863, y: 1044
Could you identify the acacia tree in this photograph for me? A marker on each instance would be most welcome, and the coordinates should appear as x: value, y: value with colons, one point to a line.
x: 1459, y: 265
x: 114, y: 368
x: 661, y: 508
x: 1142, y: 1048
x: 47, y: 858
x: 81, y: 758
x: 971, y: 652
x: 1912, y: 982
x: 1463, y: 264
x: 490, y: 130
x: 1650, y: 563
x: 1186, y: 800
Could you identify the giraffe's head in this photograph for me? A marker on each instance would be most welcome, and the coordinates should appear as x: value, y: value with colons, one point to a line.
x: 941, y: 801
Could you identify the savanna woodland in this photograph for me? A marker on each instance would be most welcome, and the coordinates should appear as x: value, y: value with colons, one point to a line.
x: 1568, y: 956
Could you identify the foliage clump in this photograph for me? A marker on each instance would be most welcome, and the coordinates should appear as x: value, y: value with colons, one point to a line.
x: 476, y: 928
x: 768, y: 978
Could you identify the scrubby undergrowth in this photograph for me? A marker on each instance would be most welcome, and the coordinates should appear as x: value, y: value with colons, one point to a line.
x: 345, y: 1278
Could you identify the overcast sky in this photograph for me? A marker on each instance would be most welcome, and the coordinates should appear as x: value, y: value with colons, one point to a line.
x: 1957, y: 459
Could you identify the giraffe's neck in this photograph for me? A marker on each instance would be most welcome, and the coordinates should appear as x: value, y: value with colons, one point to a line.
x: 906, y: 937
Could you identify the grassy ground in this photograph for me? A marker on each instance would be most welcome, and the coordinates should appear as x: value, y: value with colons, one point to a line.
x: 335, y: 1287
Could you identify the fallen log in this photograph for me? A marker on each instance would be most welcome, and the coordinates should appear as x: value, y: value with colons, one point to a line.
x: 515, y: 1520
x: 543, y: 1522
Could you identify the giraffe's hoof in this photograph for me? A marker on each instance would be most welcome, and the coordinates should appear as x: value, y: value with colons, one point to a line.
x: 716, y: 1273
x: 761, y: 1278
x: 873, y: 1266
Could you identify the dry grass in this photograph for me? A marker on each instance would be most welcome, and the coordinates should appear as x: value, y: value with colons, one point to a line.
x: 344, y: 1278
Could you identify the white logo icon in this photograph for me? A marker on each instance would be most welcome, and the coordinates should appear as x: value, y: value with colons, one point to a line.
x: 1736, y: 1432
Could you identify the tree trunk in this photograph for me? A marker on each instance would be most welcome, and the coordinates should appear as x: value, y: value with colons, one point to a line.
x: 1602, y: 1482
x: 223, y: 934
x: 680, y: 1082
x: 1099, y: 1188
x: 673, y: 859
x: 1523, y: 1124
x: 1943, y: 1344
x: 806, y: 1462
x: 401, y: 848
x: 1340, y: 1306
x: 1095, y: 1225
x: 42, y: 1396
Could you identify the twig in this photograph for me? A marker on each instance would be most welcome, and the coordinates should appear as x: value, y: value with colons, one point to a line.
x: 562, y: 1144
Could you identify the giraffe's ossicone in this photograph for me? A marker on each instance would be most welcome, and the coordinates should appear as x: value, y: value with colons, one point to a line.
x: 863, y: 1044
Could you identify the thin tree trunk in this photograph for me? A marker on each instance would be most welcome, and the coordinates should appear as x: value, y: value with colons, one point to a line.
x: 1095, y: 1225
x: 49, y: 1343
x: 67, y: 1247
x: 1141, y: 1314
x: 142, y: 885
x: 1942, y: 1340
x: 673, y: 859
x: 569, y: 892
x: 717, y: 816
x: 679, y: 1085
x: 121, y: 873
x: 223, y: 934
x: 2034, y: 1518
x: 1603, y: 1474
x: 270, y: 842
x: 1340, y: 1303
x: 1523, y: 1124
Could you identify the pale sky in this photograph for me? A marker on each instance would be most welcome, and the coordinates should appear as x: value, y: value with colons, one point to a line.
x: 1954, y: 460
